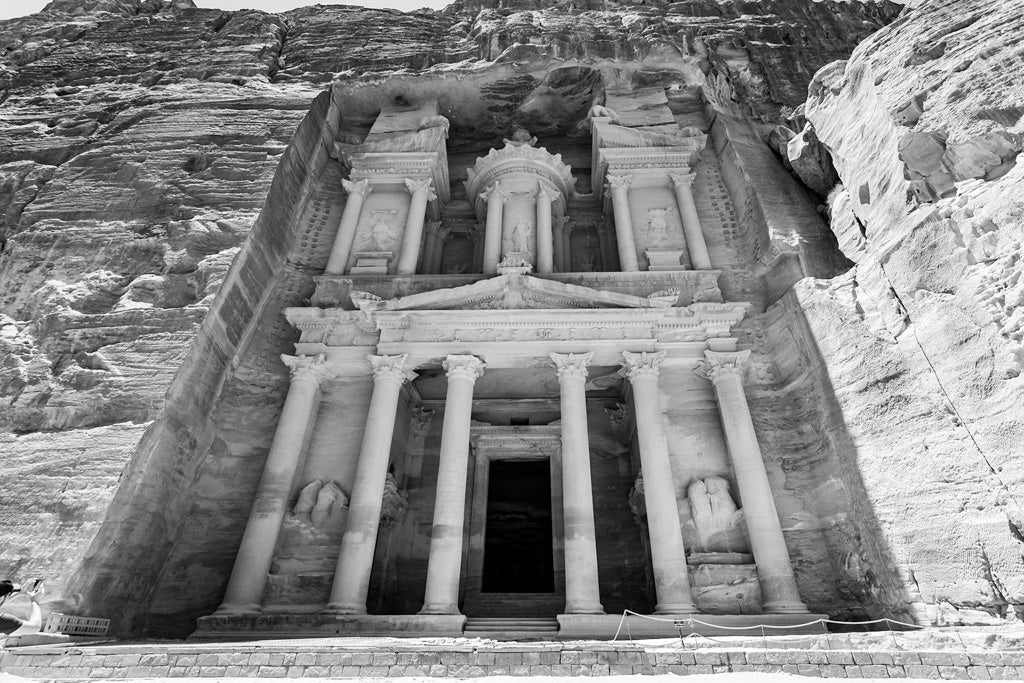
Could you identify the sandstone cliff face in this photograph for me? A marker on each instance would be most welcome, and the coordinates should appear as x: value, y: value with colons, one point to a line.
x: 921, y: 340
x: 138, y: 145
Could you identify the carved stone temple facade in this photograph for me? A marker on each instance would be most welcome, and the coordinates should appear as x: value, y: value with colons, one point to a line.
x: 518, y: 393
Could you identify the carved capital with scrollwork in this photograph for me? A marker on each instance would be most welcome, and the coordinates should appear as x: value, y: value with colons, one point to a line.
x: 720, y: 366
x: 641, y: 365
x: 572, y: 365
x: 314, y: 369
x: 683, y: 180
x: 422, y: 185
x: 619, y: 182
x: 494, y: 192
x: 359, y: 187
x: 463, y: 367
x: 389, y: 367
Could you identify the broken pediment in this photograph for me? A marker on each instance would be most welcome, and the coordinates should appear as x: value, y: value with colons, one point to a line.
x: 511, y: 292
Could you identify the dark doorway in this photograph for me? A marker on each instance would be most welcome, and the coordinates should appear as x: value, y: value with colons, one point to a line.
x: 518, y: 556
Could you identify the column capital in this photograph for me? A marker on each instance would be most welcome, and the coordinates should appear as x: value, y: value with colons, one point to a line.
x: 494, y: 191
x: 543, y: 193
x: 309, y: 368
x: 682, y: 180
x: 434, y: 228
x: 643, y: 364
x: 721, y: 365
x: 424, y: 185
x: 477, y: 233
x: 619, y: 182
x: 359, y: 187
x: 467, y: 367
x: 389, y: 367
x: 572, y: 364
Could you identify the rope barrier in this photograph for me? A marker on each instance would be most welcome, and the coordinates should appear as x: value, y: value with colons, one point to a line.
x: 689, y: 623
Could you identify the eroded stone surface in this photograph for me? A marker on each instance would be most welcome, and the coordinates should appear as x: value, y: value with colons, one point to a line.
x: 920, y: 340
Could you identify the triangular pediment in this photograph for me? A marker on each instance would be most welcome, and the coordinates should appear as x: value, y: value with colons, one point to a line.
x: 516, y: 292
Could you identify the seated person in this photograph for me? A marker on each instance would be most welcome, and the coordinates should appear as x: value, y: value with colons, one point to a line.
x: 11, y: 625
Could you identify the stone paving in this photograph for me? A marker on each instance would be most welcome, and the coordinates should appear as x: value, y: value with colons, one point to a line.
x: 461, y: 658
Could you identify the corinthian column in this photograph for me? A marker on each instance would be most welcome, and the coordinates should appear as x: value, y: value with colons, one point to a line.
x: 256, y: 551
x: 774, y: 569
x: 582, y: 591
x: 668, y: 555
x: 698, y: 248
x: 422, y: 192
x: 352, y: 574
x: 495, y: 198
x: 618, y: 185
x: 445, y: 561
x: 357, y: 191
x: 545, y: 247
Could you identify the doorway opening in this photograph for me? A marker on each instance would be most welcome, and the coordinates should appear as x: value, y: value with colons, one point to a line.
x: 518, y: 546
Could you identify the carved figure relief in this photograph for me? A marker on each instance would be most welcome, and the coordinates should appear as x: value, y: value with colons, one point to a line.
x: 317, y: 501
x: 718, y: 521
x: 584, y: 259
x: 394, y: 504
x: 382, y: 233
x: 657, y: 221
x: 519, y: 237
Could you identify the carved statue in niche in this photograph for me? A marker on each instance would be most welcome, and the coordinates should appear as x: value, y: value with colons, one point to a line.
x: 657, y: 221
x: 382, y: 233
x: 519, y: 238
x: 718, y: 521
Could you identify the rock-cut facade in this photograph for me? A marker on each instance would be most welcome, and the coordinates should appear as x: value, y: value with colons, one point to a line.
x: 504, y: 319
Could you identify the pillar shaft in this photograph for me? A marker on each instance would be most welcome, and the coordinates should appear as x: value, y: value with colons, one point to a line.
x: 342, y: 248
x: 495, y: 198
x: 422, y: 193
x: 445, y: 562
x: 619, y: 188
x: 352, y: 574
x: 774, y: 569
x: 558, y: 227
x: 545, y: 246
x: 256, y: 551
x: 582, y: 589
x: 692, y: 231
x: 668, y: 555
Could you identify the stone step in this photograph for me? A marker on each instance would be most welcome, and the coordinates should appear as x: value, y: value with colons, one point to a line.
x: 511, y: 628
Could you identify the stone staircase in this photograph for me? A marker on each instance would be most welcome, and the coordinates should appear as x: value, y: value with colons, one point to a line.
x: 511, y: 628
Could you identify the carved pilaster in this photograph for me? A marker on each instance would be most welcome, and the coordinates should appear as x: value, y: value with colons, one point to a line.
x: 722, y: 365
x: 683, y: 180
x: 359, y: 187
x: 619, y: 182
x: 495, y: 192
x: 314, y: 369
x: 468, y: 367
x: 572, y: 364
x: 424, y: 185
x: 389, y: 367
x: 643, y: 364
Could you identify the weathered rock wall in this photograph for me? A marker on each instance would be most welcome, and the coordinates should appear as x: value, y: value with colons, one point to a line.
x: 138, y: 144
x: 921, y: 340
